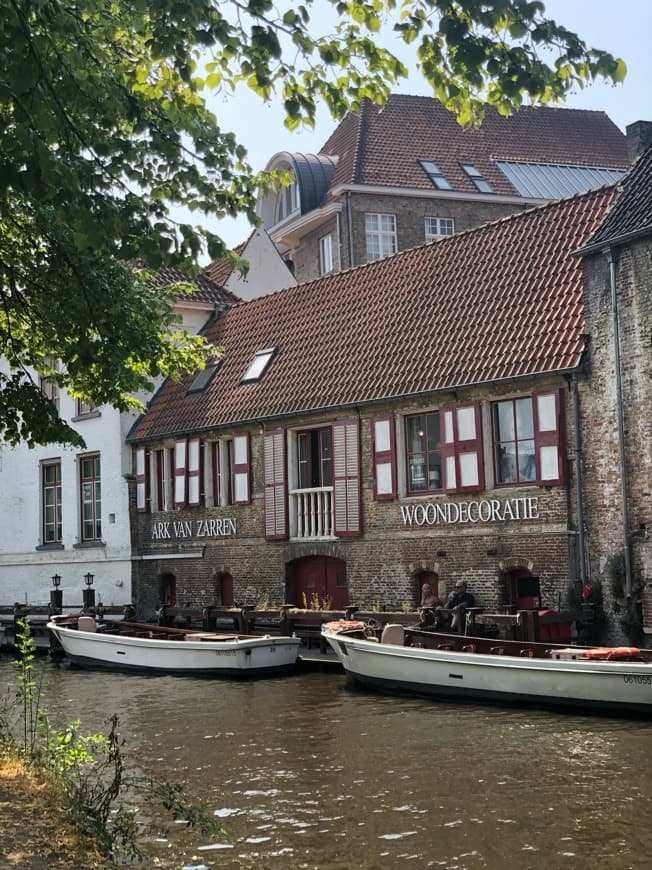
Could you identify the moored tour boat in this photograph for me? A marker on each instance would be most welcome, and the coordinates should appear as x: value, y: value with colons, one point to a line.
x: 615, y: 679
x: 142, y: 647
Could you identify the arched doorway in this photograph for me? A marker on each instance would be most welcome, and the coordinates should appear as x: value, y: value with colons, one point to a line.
x: 225, y: 590
x: 319, y: 582
x: 167, y: 589
x: 522, y: 589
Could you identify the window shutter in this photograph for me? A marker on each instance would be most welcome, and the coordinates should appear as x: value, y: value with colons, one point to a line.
x: 141, y: 479
x: 180, y: 455
x: 194, y: 471
x: 346, y: 478
x: 549, y: 437
x: 462, y: 456
x: 384, y: 458
x: 241, y: 469
x: 276, y: 513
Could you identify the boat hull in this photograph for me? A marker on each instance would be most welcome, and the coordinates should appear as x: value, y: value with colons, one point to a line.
x: 237, y: 657
x: 622, y: 687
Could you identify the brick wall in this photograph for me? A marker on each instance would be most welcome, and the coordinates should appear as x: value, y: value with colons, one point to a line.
x: 383, y: 564
x: 602, y: 472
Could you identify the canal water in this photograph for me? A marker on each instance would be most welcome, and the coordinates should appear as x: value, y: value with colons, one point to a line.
x: 308, y: 771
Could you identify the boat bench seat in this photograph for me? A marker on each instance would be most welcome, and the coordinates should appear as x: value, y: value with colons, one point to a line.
x: 210, y: 637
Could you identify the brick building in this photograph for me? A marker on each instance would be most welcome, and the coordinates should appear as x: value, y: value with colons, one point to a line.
x: 617, y: 400
x: 414, y: 418
x: 392, y: 178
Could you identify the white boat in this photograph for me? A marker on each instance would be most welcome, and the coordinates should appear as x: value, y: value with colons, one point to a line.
x: 616, y: 679
x: 142, y: 647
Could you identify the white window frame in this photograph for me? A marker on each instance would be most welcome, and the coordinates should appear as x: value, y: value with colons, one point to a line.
x: 438, y: 227
x: 381, y: 236
x: 326, y: 254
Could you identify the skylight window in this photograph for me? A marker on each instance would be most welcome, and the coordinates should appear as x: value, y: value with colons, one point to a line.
x: 477, y: 178
x: 204, y: 377
x: 434, y: 174
x: 258, y: 365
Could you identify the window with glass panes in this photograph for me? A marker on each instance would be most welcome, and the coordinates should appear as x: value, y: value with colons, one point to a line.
x: 436, y: 227
x: 315, y: 458
x: 514, y: 443
x: 91, y: 498
x: 424, y: 453
x: 380, y: 232
x: 325, y: 255
x: 51, y: 494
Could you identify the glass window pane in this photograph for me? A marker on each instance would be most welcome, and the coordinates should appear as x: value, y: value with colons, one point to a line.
x: 524, y: 418
x: 505, y: 421
x: 506, y: 463
x: 526, y: 460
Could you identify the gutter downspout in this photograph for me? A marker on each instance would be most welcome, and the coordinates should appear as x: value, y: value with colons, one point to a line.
x: 579, y: 480
x: 611, y: 257
x: 349, y: 220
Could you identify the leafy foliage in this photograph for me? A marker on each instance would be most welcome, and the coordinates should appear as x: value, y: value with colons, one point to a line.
x: 105, y: 134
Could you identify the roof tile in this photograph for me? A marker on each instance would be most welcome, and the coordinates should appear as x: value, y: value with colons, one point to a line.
x: 501, y: 301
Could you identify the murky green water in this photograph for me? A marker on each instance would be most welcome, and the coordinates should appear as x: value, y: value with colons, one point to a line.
x: 308, y: 771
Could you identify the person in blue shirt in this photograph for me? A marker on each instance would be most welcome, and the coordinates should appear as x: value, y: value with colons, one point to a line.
x: 458, y: 603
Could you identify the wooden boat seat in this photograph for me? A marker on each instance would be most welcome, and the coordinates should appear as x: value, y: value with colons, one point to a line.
x: 211, y: 637
x: 86, y: 623
x: 393, y: 633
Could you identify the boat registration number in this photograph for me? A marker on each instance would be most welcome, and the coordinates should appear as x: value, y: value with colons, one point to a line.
x: 638, y: 680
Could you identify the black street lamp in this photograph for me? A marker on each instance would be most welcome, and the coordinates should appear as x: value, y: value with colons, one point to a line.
x: 56, y: 595
x: 88, y: 594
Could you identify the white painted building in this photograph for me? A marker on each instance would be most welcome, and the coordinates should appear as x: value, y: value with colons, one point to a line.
x: 65, y: 511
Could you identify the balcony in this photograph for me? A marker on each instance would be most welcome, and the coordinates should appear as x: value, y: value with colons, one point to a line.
x: 313, y: 510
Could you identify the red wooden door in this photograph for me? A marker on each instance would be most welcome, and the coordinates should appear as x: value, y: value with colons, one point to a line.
x: 321, y: 583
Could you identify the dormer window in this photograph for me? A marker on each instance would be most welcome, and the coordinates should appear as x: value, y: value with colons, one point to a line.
x: 287, y: 201
x: 434, y: 174
x: 477, y: 178
x: 258, y: 365
x: 204, y: 377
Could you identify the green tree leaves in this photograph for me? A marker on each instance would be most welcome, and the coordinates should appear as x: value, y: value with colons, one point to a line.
x: 105, y: 132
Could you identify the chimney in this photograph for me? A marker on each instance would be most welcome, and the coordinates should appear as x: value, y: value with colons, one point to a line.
x: 639, y: 138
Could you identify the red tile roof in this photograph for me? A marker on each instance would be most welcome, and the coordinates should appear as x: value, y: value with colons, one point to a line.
x: 219, y: 270
x: 382, y: 146
x: 500, y: 301
x: 205, y: 289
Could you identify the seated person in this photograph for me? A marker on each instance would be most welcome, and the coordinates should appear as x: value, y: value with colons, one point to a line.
x: 458, y: 602
x: 428, y: 597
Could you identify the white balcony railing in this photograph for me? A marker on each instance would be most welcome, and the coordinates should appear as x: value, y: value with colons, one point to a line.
x: 314, y: 512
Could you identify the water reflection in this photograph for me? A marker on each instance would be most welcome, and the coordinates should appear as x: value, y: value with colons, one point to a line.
x: 308, y: 771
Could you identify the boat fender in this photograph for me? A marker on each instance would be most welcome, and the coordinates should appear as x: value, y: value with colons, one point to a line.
x: 611, y: 653
x: 345, y: 625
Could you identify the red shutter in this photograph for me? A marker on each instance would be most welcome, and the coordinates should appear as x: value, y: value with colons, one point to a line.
x: 384, y: 458
x: 276, y: 511
x: 548, y: 408
x: 180, y: 458
x: 462, y: 454
x: 194, y: 471
x: 346, y: 478
x: 141, y: 479
x: 240, y: 468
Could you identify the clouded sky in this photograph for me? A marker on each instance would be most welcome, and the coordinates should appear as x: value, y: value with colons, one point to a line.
x: 622, y: 27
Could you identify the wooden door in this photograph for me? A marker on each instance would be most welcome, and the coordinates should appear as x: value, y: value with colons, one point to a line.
x: 321, y: 583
